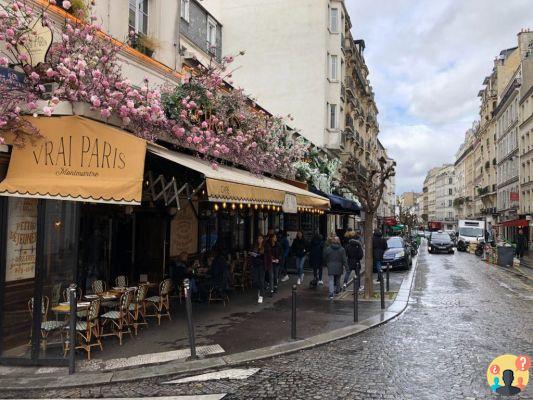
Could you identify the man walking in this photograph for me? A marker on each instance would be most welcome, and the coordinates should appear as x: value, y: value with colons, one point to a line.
x: 379, y: 245
x: 335, y: 260
x: 316, y: 249
x: 521, y: 243
x: 354, y: 252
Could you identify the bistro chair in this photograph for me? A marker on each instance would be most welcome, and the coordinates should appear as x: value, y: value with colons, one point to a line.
x: 119, y: 319
x: 79, y: 296
x: 56, y: 294
x: 47, y: 327
x: 161, y: 302
x: 239, y: 275
x: 99, y: 287
x: 88, y: 329
x: 121, y: 281
x: 137, y: 307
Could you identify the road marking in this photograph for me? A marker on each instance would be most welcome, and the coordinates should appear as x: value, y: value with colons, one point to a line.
x: 231, y: 374
x: 197, y: 397
x: 146, y: 359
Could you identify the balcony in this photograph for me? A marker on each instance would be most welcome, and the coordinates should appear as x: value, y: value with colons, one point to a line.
x: 336, y: 140
x: 349, y: 125
x: 350, y: 86
x: 346, y: 44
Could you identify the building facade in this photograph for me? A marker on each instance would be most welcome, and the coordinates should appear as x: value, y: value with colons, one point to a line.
x: 444, y: 196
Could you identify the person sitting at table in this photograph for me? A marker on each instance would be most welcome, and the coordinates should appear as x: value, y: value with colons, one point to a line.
x: 179, y: 271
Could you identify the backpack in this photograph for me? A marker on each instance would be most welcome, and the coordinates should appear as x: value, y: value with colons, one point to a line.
x: 354, y: 250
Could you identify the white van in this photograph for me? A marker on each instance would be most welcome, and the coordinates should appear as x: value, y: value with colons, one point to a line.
x: 470, y: 231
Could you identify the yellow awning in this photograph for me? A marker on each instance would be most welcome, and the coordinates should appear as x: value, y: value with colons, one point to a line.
x: 231, y: 184
x: 77, y: 159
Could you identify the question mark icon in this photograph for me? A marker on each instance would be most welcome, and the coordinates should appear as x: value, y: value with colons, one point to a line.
x: 523, y: 363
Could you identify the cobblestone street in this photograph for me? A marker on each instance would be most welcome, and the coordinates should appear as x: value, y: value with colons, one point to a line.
x: 462, y: 314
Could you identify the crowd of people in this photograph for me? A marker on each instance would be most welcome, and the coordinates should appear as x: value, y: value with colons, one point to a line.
x: 269, y: 261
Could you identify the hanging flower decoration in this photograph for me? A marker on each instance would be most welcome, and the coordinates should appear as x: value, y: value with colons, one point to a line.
x: 201, y: 113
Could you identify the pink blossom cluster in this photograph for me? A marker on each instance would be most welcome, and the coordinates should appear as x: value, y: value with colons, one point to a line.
x: 82, y: 66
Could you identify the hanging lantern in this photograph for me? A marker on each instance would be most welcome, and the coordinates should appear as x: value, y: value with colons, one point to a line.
x: 224, y: 205
x: 233, y: 206
x: 256, y: 206
x: 215, y: 207
x: 241, y: 206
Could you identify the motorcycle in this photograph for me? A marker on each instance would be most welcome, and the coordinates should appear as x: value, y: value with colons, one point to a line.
x: 480, y: 248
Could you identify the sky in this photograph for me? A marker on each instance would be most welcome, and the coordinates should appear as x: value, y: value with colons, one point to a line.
x: 427, y: 61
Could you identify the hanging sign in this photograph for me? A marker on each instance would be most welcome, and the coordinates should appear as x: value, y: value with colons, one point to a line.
x: 37, y: 43
x: 290, y: 205
x: 22, y: 239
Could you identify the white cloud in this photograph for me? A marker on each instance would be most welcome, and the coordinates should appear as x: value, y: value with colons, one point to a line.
x: 427, y: 60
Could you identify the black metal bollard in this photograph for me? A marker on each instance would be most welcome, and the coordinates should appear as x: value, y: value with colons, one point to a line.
x: 387, y: 278
x: 72, y: 329
x: 190, y: 326
x: 356, y: 283
x: 293, y: 316
x: 382, y: 290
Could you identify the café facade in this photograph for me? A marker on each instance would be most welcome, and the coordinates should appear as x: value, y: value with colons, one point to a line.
x: 89, y: 201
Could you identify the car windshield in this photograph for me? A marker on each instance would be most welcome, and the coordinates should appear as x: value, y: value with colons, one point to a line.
x: 394, y: 243
x: 440, y: 237
x: 471, y: 232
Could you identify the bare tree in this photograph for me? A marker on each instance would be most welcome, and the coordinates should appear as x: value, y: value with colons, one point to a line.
x: 368, y: 185
x: 407, y: 218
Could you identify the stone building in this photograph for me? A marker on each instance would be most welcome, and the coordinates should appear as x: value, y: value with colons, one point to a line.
x: 444, y: 196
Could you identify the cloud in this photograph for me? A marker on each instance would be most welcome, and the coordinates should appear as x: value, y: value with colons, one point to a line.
x: 427, y: 60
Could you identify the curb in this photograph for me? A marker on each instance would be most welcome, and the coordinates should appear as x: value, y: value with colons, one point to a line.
x: 179, y: 367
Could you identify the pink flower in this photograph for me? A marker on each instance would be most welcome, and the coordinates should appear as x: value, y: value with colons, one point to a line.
x: 214, y: 165
x: 66, y: 4
x: 130, y: 104
x: 10, y: 33
x: 23, y: 57
x: 50, y: 73
x: 105, y: 113
x: 4, y: 62
x: 53, y: 2
x: 31, y: 106
x: 95, y: 101
x: 47, y: 111
x: 54, y: 100
x: 204, y: 124
x: 126, y: 120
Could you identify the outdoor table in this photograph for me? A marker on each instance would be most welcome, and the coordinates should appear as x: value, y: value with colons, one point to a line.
x: 64, y: 308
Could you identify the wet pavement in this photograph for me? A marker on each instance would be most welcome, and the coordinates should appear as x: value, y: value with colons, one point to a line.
x: 462, y: 314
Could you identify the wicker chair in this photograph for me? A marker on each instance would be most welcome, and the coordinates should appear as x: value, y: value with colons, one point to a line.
x: 88, y: 329
x: 119, y: 319
x: 137, y: 308
x: 47, y: 327
x: 100, y: 287
x: 161, y: 302
x: 121, y: 281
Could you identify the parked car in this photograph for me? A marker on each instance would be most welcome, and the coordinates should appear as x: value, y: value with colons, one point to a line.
x: 453, y: 236
x: 398, y: 254
x: 440, y: 242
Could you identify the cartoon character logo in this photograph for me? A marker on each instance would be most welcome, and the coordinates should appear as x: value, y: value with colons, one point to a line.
x: 508, y: 375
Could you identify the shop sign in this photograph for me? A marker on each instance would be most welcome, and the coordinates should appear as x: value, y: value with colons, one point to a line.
x: 12, y: 78
x: 184, y: 232
x: 389, y: 221
x: 22, y: 239
x: 514, y: 196
x: 38, y: 42
x: 290, y: 205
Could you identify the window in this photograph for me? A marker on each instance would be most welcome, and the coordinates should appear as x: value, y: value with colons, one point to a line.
x: 450, y: 180
x: 450, y: 191
x: 333, y: 74
x: 334, y: 20
x: 211, y: 35
x: 138, y: 16
x: 333, y: 116
x: 185, y: 9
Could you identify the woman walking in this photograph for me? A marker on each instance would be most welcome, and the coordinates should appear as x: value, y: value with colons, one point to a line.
x: 258, y: 267
x: 299, y: 248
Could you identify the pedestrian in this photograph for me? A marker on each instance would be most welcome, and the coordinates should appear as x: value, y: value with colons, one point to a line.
x: 298, y: 248
x: 379, y: 245
x: 521, y: 243
x: 276, y: 256
x: 354, y: 252
x: 335, y: 260
x: 258, y: 267
x: 316, y: 250
x: 490, y: 235
x: 285, y: 249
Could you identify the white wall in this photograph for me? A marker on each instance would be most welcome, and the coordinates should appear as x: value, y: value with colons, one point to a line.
x: 285, y: 65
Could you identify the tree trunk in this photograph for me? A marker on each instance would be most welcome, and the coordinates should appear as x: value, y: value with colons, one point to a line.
x: 369, y: 259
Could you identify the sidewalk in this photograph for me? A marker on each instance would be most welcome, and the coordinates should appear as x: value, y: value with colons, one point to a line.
x: 243, y: 330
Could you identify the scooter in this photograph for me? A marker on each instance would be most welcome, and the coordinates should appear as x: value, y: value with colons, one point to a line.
x: 480, y: 248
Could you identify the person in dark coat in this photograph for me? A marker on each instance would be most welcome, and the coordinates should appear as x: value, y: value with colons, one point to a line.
x: 299, y: 248
x: 258, y: 267
x: 335, y: 260
x: 285, y: 248
x: 521, y: 243
x: 379, y: 245
x: 276, y: 255
x: 316, y: 250
x: 354, y: 252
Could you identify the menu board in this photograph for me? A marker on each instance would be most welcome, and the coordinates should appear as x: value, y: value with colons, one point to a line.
x: 22, y: 239
x: 184, y: 231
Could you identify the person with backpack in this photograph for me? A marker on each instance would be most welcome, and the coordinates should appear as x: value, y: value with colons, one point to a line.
x: 354, y: 252
x: 316, y: 249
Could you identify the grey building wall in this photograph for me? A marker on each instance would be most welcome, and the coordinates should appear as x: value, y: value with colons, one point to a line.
x: 196, y: 29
